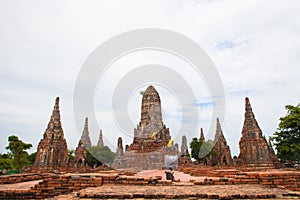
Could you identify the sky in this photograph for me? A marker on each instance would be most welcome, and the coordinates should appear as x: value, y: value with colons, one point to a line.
x: 254, y: 46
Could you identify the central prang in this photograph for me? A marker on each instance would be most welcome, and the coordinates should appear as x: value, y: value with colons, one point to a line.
x: 150, y: 133
x: 152, y: 146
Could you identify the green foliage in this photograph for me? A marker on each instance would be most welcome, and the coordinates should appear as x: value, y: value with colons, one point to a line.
x: 206, y: 149
x: 200, y: 148
x: 195, y: 146
x: 17, y: 149
x: 31, y: 158
x: 6, y: 161
x: 98, y: 155
x: 71, y: 153
x: 287, y: 137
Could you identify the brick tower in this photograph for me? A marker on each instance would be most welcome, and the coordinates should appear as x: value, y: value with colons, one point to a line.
x: 254, y: 148
x: 52, y: 151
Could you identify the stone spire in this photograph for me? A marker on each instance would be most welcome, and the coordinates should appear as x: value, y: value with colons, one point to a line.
x: 184, y: 158
x: 150, y: 134
x: 85, y: 138
x: 250, y: 128
x: 120, y: 150
x: 119, y: 161
x: 151, y: 108
x: 219, y: 132
x: 151, y: 141
x: 202, y: 135
x: 222, y: 152
x: 80, y: 155
x: 52, y: 152
x: 100, y: 140
x: 254, y: 148
x: 184, y: 147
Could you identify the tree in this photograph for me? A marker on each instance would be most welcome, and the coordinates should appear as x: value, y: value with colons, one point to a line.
x: 98, y: 155
x: 17, y: 148
x: 195, y: 146
x: 287, y: 137
x: 200, y: 149
x: 5, y: 161
x: 71, y: 153
x: 31, y: 158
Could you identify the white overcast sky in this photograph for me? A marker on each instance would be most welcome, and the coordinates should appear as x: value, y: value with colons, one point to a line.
x: 254, y: 45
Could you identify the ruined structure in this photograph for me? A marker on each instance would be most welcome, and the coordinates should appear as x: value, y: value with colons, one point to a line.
x: 254, y: 148
x: 119, y: 161
x: 221, y: 151
x: 100, y: 140
x: 202, y: 135
x: 151, y: 134
x: 184, y: 154
x: 80, y: 155
x: 52, y: 151
x: 85, y: 138
x: 152, y: 140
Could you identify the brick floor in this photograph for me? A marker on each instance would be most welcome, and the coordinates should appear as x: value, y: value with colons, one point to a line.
x: 185, y: 189
x: 19, y: 186
x: 182, y: 191
x: 178, y: 175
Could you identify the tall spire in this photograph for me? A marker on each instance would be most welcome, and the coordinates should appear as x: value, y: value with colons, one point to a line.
x: 151, y: 108
x: 254, y: 148
x: 151, y: 126
x: 222, y: 154
x: 120, y: 150
x: 52, y: 150
x: 184, y: 146
x: 250, y: 128
x: 202, y: 135
x: 85, y: 138
x: 219, y: 132
x: 100, y: 140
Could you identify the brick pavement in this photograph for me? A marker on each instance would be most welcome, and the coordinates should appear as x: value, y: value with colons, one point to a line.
x: 179, y: 176
x: 181, y: 191
x: 148, y: 184
x: 19, y: 186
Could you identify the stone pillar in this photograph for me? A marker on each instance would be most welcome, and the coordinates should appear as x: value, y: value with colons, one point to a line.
x: 254, y: 148
x: 202, y: 135
x: 184, y: 147
x: 120, y: 150
x: 52, y: 151
x: 222, y: 154
x: 85, y: 138
x: 100, y: 140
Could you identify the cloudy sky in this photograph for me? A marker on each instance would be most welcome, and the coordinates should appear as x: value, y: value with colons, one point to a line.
x: 254, y: 46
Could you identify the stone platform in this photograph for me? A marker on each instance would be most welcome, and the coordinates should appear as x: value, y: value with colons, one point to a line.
x: 152, y: 184
x: 182, y: 192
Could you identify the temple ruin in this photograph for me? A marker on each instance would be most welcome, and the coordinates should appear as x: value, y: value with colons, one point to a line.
x: 80, y: 155
x: 85, y: 138
x: 184, y: 158
x: 151, y: 141
x: 221, y: 151
x: 254, y: 148
x: 100, y: 142
x: 52, y: 151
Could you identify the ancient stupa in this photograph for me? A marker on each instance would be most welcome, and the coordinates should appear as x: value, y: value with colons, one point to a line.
x: 254, y: 148
x: 222, y: 154
x: 85, y: 137
x: 52, y: 151
x: 151, y: 141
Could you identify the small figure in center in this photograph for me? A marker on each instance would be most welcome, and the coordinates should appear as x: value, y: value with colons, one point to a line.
x: 170, y: 174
